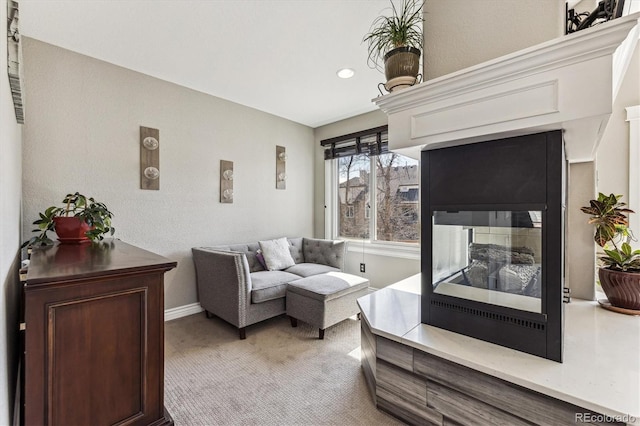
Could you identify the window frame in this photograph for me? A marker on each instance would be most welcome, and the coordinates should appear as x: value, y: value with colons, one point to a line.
x: 368, y: 246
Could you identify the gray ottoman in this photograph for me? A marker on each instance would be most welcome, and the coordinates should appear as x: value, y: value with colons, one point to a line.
x: 326, y: 299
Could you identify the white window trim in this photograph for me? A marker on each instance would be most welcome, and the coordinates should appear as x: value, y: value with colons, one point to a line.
x: 387, y: 248
x: 633, y: 117
x: 330, y: 197
x: 331, y: 217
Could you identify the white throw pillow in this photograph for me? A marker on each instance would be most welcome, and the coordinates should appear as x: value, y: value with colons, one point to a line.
x: 276, y: 254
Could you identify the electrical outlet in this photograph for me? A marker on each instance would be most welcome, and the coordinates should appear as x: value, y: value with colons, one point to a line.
x: 362, y: 269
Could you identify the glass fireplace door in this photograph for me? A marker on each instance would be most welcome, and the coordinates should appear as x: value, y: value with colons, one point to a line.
x: 492, y: 257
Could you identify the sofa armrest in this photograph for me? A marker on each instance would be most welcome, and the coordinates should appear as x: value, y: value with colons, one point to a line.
x: 223, y: 282
x: 325, y: 252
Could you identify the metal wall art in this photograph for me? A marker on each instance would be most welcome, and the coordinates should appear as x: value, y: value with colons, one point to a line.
x: 149, y: 158
x: 226, y: 181
x: 606, y: 10
x: 13, y: 60
x: 281, y: 163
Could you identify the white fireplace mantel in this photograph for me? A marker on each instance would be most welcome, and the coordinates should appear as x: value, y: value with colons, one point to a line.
x: 568, y: 83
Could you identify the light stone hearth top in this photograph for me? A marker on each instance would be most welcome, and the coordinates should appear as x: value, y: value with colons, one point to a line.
x: 601, y: 368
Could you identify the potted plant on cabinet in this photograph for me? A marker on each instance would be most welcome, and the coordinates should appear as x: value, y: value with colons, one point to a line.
x: 396, y: 42
x: 620, y: 271
x: 82, y: 219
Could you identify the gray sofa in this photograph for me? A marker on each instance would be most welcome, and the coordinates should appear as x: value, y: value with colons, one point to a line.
x: 233, y: 285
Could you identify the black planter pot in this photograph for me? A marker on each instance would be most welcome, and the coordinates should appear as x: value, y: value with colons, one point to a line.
x: 401, y: 67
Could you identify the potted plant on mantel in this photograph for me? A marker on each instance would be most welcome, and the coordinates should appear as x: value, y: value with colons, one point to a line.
x: 82, y: 219
x: 396, y: 41
x: 620, y: 273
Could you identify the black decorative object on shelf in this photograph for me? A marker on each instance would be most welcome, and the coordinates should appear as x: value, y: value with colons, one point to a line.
x: 605, y: 11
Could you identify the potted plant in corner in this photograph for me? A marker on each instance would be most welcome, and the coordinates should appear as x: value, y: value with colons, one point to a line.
x: 620, y: 271
x: 396, y: 42
x: 82, y: 219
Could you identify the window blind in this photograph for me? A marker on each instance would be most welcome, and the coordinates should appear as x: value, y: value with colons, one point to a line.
x: 369, y: 142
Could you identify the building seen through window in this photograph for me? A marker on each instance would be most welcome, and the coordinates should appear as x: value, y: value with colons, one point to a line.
x: 384, y: 187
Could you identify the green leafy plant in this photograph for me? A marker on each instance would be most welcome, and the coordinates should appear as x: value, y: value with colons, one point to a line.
x: 625, y: 259
x: 608, y: 215
x: 402, y: 28
x: 87, y: 209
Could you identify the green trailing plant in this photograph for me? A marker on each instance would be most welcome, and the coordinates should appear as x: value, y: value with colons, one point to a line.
x: 402, y: 28
x: 609, y: 216
x: 87, y: 209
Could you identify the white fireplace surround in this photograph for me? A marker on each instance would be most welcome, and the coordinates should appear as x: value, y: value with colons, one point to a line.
x: 569, y: 83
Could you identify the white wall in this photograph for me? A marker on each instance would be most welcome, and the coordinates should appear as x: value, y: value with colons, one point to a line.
x: 462, y: 33
x: 612, y: 163
x: 10, y: 194
x: 380, y: 270
x: 83, y: 135
x: 612, y: 158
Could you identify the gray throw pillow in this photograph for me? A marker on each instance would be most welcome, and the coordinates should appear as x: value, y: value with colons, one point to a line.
x: 276, y: 254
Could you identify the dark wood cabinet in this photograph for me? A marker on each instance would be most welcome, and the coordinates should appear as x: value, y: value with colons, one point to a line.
x: 94, y: 342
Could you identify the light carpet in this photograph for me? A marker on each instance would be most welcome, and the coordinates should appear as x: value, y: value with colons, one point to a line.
x: 279, y: 375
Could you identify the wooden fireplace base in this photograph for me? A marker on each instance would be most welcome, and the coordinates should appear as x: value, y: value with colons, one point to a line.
x: 427, y: 375
x: 420, y: 388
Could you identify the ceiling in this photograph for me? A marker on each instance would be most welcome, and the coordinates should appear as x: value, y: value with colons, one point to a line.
x: 278, y: 56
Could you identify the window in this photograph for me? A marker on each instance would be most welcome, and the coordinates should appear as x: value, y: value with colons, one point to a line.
x: 397, y: 202
x: 350, y: 212
x: 395, y: 198
x: 353, y: 194
x: 372, y: 194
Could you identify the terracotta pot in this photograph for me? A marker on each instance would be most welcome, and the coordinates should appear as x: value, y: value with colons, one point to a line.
x: 71, y: 230
x: 622, y: 288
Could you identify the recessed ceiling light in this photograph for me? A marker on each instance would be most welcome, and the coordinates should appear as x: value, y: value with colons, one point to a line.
x: 345, y: 73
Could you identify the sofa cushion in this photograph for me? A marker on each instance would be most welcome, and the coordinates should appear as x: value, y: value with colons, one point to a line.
x: 325, y: 252
x: 260, y: 259
x: 309, y: 269
x: 249, y: 250
x: 276, y: 254
x: 296, y: 249
x: 269, y: 285
x: 328, y: 286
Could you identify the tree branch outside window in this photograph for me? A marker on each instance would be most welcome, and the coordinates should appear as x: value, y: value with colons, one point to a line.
x: 395, y: 205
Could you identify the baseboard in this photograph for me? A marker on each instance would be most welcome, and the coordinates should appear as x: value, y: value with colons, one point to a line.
x: 182, y: 311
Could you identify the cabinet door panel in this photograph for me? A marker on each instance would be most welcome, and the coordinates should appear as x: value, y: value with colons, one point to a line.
x: 96, y: 355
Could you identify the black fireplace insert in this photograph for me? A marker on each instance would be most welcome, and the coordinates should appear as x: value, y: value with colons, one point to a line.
x: 492, y: 238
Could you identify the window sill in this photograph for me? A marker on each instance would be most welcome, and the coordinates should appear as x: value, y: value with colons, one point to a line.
x: 403, y: 251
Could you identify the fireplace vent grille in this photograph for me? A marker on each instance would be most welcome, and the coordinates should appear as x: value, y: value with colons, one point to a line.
x: 535, y: 325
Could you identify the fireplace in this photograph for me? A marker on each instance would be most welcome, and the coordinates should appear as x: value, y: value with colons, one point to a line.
x: 457, y: 123
x: 492, y: 238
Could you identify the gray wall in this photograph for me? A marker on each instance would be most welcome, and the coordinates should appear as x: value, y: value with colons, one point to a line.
x: 83, y: 135
x: 462, y: 33
x: 10, y: 195
x: 380, y: 270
